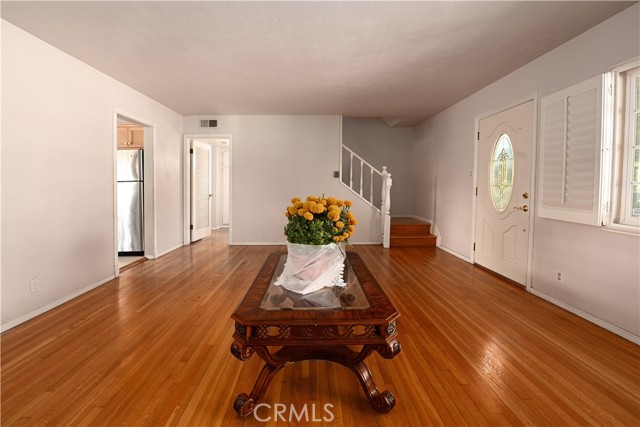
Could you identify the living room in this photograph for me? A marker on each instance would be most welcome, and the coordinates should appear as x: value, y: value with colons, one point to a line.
x: 58, y: 118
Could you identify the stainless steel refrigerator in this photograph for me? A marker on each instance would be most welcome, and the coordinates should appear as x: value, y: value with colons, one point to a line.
x: 130, y: 188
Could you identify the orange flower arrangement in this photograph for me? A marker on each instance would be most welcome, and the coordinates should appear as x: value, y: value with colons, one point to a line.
x: 319, y: 221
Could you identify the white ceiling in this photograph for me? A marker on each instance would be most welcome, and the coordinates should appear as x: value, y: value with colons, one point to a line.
x: 403, y: 61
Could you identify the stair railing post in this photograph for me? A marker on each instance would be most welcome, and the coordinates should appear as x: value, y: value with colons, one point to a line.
x: 361, y: 168
x: 385, y: 208
x: 351, y: 171
x: 371, y: 188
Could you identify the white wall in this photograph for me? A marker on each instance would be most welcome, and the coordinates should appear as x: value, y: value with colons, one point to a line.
x: 381, y: 145
x: 58, y: 173
x: 275, y: 158
x: 600, y: 269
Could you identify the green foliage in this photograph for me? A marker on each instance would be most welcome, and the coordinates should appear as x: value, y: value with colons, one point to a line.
x: 315, y: 232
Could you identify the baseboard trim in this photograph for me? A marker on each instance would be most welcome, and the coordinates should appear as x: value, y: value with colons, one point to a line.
x: 462, y: 257
x: 284, y: 243
x: 169, y: 250
x: 591, y: 318
x: 257, y: 244
x: 54, y: 304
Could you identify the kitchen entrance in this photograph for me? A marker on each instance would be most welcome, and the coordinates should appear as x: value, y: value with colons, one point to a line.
x: 133, y: 192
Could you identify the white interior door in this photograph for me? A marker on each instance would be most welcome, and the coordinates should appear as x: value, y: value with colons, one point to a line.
x: 225, y: 186
x: 503, y: 192
x: 200, y: 190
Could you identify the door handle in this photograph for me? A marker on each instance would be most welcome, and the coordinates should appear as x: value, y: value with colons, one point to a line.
x: 524, y: 208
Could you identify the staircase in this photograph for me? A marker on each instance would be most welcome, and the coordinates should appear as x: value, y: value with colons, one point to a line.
x: 363, y: 179
x: 406, y: 231
x: 363, y: 183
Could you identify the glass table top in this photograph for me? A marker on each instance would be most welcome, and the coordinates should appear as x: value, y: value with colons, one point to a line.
x: 349, y: 297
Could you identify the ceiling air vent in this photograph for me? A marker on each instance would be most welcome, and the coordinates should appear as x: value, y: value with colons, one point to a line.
x: 206, y: 123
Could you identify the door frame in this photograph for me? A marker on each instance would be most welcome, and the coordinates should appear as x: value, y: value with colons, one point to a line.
x: 534, y: 149
x: 186, y: 182
x: 149, y: 229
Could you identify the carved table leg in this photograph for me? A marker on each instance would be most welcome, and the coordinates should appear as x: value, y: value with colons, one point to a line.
x: 244, y: 405
x: 240, y: 351
x: 381, y: 401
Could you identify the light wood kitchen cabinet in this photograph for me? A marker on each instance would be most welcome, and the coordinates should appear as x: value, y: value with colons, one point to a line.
x: 130, y: 136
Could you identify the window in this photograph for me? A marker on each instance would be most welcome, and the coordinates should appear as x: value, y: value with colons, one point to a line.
x: 573, y: 131
x: 590, y: 151
x: 622, y: 212
x: 501, y: 173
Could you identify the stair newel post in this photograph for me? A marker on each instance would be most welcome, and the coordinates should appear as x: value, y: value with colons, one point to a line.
x: 386, y: 207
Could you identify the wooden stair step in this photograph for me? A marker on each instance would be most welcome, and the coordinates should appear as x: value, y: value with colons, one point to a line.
x: 410, y: 229
x: 422, y: 240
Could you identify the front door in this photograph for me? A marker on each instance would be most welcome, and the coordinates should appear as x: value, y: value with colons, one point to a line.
x: 503, y: 203
x: 200, y: 190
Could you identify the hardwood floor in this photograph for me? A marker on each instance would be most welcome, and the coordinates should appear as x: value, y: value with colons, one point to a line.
x: 152, y: 348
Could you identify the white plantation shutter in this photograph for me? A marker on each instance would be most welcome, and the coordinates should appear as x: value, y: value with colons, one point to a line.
x: 571, y: 144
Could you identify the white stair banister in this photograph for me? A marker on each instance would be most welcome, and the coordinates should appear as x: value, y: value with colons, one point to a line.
x: 386, y: 207
x: 351, y: 158
x: 384, y: 178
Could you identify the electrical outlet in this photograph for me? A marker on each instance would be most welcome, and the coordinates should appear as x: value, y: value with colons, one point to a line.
x: 559, y: 277
x: 35, y: 285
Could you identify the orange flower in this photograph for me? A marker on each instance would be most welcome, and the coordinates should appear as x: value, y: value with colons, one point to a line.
x: 340, y: 224
x: 301, y: 212
x: 295, y: 199
x: 316, y: 208
x: 353, y: 221
x: 348, y: 203
x: 308, y: 216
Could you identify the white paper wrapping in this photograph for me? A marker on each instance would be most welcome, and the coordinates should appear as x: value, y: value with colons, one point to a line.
x: 312, y: 267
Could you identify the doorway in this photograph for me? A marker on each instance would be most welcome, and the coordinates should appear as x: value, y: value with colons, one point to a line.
x: 134, y: 204
x: 217, y: 199
x: 503, y: 215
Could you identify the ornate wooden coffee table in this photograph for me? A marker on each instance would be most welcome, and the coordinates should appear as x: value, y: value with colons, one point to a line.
x: 317, y: 326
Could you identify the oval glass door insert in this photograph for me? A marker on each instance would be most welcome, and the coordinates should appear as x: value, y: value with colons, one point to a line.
x: 501, y: 170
